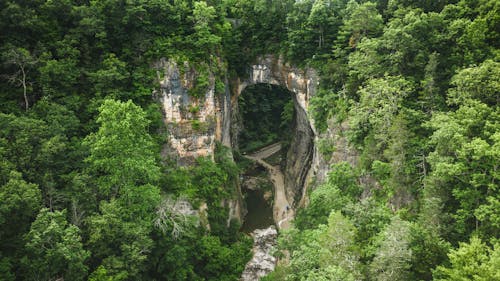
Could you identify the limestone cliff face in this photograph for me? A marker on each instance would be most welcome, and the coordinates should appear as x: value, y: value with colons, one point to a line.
x: 194, y: 124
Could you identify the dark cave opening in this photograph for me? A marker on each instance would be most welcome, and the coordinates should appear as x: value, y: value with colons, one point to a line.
x: 267, y: 112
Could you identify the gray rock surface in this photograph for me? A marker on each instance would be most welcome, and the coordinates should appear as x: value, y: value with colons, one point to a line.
x: 262, y: 262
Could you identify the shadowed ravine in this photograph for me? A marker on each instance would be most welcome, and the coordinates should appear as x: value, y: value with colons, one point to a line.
x: 282, y: 211
x: 263, y: 262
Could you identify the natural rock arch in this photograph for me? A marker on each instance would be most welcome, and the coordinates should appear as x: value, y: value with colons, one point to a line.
x: 217, y: 114
x: 303, y: 84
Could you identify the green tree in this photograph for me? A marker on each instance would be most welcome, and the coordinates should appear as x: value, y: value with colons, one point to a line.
x: 465, y: 149
x: 393, y: 257
x: 59, y: 73
x: 122, y: 160
x: 111, y: 78
x: 204, y: 36
x: 471, y: 261
x: 322, y: 22
x: 20, y: 204
x: 54, y: 249
x: 337, y: 244
x: 323, y: 251
x: 428, y: 250
x: 122, y: 153
x: 363, y: 20
x: 476, y: 83
x: 120, y: 234
x: 380, y: 101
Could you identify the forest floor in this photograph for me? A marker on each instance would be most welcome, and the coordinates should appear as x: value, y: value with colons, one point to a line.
x: 282, y: 211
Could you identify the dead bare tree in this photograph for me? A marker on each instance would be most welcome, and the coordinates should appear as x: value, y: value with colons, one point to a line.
x: 176, y: 216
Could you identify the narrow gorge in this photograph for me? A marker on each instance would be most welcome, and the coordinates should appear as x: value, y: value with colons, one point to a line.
x: 270, y: 140
x: 196, y: 124
x: 232, y: 118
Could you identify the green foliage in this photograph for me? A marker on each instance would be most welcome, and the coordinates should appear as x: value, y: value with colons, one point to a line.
x: 20, y: 203
x: 203, y: 17
x: 268, y: 112
x: 476, y: 83
x: 221, y: 263
x: 121, y: 152
x: 110, y: 78
x: 54, y: 249
x: 326, y: 147
x: 325, y: 198
x: 370, y: 218
x: 392, y: 258
x: 363, y: 20
x: 340, y: 189
x: 122, y: 159
x: 201, y: 83
x: 198, y: 256
x: 428, y: 250
x: 466, y: 144
x: 323, y: 251
x: 379, y: 103
x: 471, y: 261
x: 119, y: 236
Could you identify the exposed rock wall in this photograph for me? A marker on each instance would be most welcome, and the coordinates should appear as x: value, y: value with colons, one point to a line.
x: 191, y: 123
x: 299, y: 157
x: 194, y: 124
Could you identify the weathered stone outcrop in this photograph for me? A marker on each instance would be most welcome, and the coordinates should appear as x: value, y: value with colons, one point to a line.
x: 262, y: 262
x: 190, y: 122
x: 193, y: 124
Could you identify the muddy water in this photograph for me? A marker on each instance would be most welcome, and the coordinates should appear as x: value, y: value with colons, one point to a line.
x: 260, y: 213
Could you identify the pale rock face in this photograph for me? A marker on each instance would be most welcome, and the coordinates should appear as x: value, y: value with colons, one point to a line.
x: 262, y: 262
x: 190, y: 122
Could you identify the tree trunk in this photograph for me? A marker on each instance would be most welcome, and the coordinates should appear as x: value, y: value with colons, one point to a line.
x: 23, y: 81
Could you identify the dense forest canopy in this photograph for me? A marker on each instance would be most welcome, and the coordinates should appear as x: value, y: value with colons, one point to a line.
x: 85, y: 194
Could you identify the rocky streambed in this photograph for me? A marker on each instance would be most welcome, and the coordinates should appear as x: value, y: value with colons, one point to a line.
x: 262, y: 262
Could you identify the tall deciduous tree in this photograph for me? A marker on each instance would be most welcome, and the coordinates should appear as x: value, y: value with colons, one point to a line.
x: 20, y: 204
x: 363, y: 20
x: 122, y: 153
x: 473, y: 261
x: 465, y: 158
x: 122, y: 159
x: 203, y: 17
